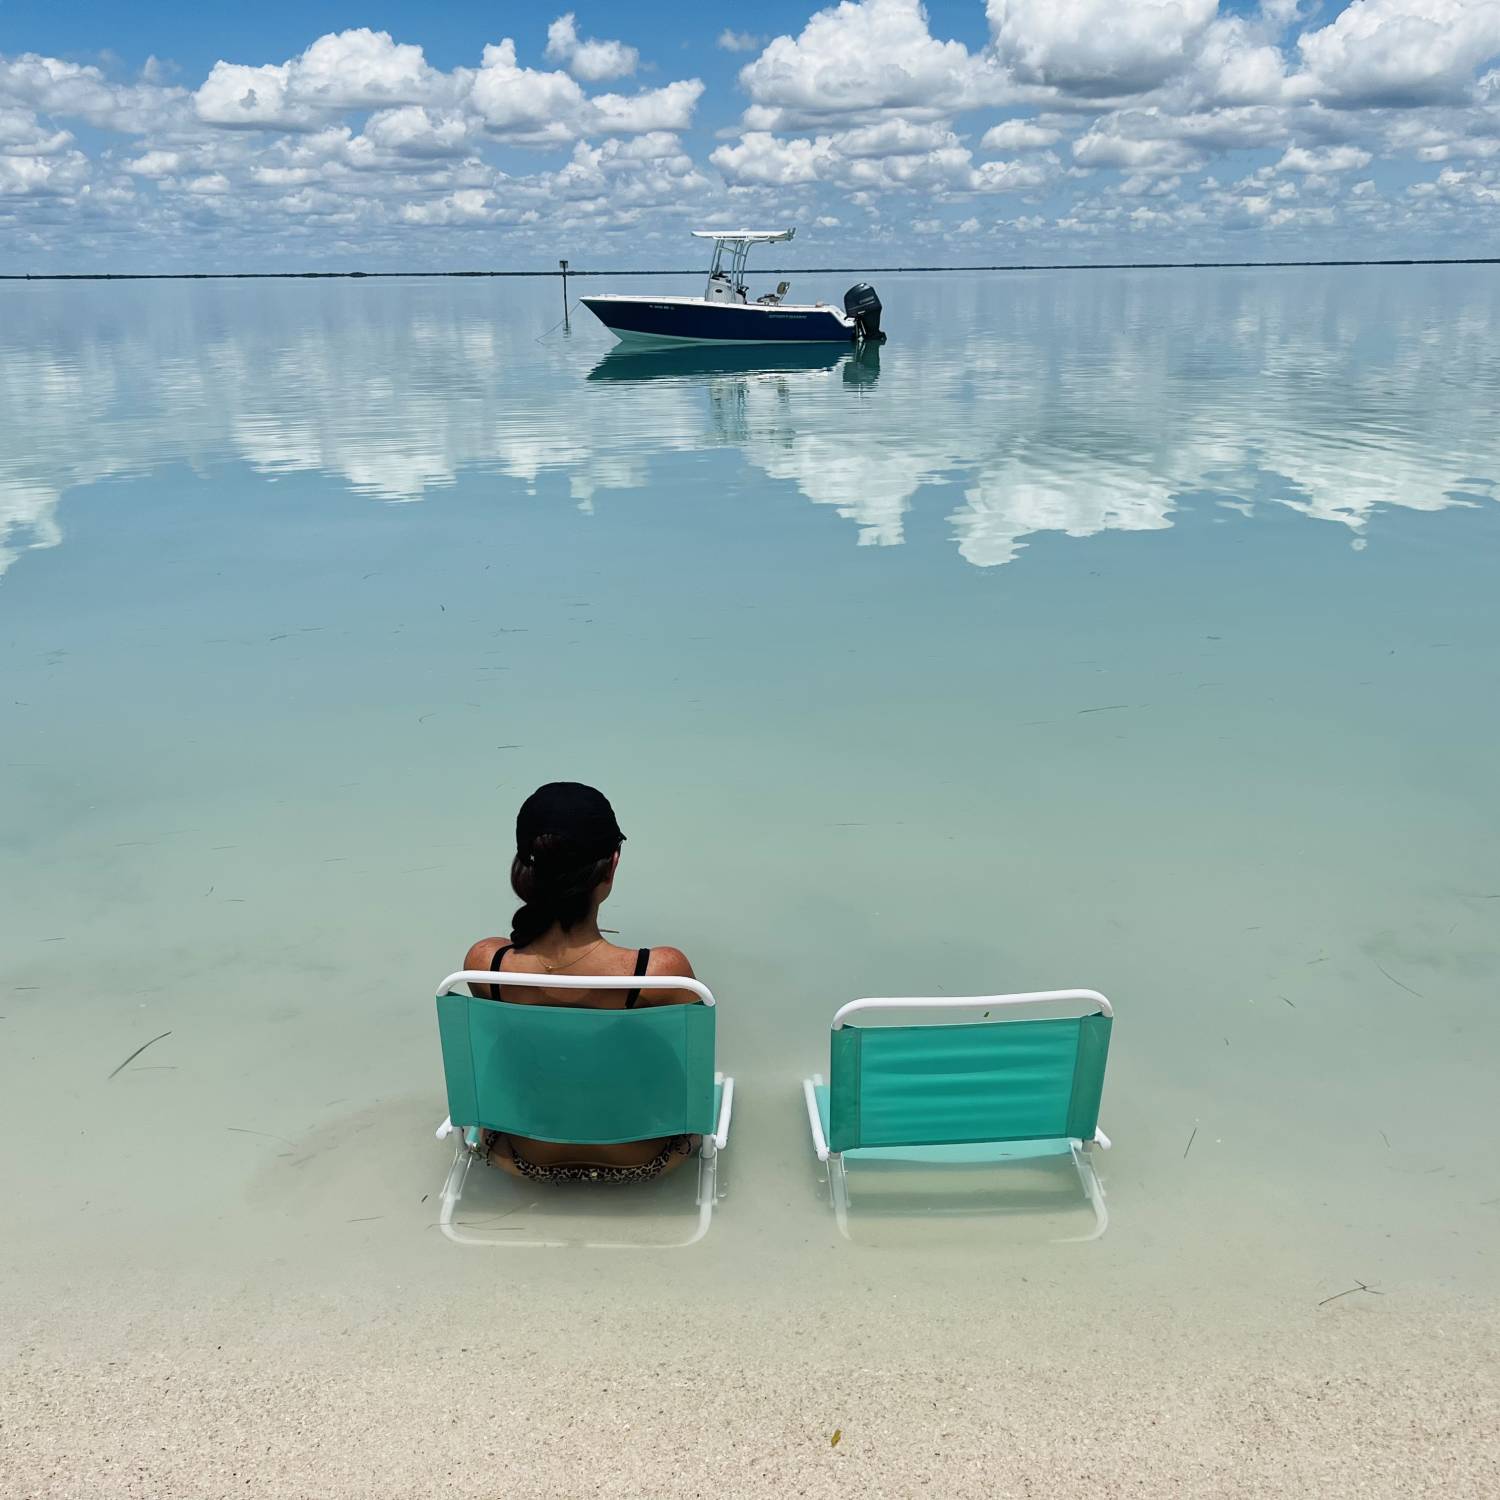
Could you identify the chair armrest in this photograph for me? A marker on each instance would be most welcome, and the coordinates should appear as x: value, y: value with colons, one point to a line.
x: 814, y: 1120
x: 726, y: 1107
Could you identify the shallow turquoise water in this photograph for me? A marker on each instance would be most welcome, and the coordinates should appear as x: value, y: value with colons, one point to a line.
x: 1135, y: 631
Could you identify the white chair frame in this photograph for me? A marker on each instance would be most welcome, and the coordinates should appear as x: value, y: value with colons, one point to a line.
x: 467, y: 1153
x: 1016, y: 1007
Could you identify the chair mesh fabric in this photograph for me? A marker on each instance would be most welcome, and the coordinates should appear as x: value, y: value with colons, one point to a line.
x: 933, y: 1085
x: 962, y: 1153
x: 570, y: 1074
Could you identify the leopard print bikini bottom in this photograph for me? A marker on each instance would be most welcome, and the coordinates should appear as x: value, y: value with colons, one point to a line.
x: 647, y: 1171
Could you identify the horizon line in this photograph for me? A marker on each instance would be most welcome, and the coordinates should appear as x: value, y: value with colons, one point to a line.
x: 1139, y: 265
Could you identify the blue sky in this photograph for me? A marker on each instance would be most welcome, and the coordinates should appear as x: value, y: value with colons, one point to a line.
x: 392, y: 136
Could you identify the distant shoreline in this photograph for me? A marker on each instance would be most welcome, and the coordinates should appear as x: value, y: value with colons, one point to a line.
x: 1128, y: 265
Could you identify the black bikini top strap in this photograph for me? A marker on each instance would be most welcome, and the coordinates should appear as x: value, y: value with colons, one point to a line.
x: 642, y: 958
x: 495, y: 964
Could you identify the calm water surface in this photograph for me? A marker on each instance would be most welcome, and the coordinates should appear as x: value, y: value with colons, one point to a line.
x: 1135, y: 631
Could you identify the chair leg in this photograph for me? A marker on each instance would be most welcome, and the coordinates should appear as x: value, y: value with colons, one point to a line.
x: 708, y: 1192
x: 1094, y: 1192
x: 464, y: 1159
x: 838, y: 1190
x: 708, y: 1174
x: 708, y: 1197
x: 453, y: 1190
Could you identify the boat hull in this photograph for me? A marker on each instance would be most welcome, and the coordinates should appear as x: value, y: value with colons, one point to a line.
x: 686, y: 320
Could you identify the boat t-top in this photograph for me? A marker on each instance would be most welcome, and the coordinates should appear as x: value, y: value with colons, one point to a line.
x: 724, y: 314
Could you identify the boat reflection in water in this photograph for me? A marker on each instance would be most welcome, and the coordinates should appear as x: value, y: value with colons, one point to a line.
x: 760, y: 397
x: 698, y: 362
x: 863, y: 366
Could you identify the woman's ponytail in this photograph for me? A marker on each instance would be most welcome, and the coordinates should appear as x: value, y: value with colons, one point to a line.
x: 566, y: 842
x: 556, y: 884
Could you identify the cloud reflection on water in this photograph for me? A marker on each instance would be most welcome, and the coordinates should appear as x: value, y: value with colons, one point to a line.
x: 1052, y: 404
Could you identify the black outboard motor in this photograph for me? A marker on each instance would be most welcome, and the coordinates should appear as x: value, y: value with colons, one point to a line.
x: 861, y: 304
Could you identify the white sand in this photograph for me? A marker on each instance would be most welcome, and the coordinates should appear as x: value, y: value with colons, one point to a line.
x: 523, y: 1392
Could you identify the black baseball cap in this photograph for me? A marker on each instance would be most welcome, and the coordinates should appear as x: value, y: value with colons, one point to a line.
x: 571, y: 813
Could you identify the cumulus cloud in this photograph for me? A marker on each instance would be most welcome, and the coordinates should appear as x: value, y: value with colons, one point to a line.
x: 760, y: 157
x: 645, y: 171
x: 515, y: 100
x: 1187, y: 83
x: 75, y: 91
x: 51, y: 176
x: 668, y: 108
x: 421, y: 111
x: 1324, y: 159
x: 415, y: 131
x: 897, y: 155
x: 155, y: 164
x: 1012, y: 176
x: 236, y: 95
x: 894, y: 137
x: 362, y: 69
x: 1480, y: 188
x: 530, y: 103
x: 467, y: 206
x: 1018, y: 135
x: 1113, y: 144
x: 737, y: 41
x: 857, y: 59
x: 593, y: 61
x: 1235, y: 63
x: 356, y: 69
x: 1098, y: 47
x: 1395, y: 53
x: 22, y: 134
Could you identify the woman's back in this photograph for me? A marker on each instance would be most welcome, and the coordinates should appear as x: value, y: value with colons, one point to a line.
x: 567, y: 852
x: 605, y: 958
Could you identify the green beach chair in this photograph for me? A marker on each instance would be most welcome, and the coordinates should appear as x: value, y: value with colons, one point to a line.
x: 599, y: 1077
x: 978, y: 1080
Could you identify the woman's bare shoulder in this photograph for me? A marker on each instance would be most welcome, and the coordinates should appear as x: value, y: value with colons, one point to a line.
x: 670, y: 961
x: 482, y: 954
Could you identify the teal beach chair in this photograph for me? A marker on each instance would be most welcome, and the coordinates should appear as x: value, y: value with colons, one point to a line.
x: 598, y: 1077
x: 980, y: 1080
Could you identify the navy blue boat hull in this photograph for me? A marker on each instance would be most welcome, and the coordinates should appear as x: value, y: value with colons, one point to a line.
x: 641, y: 319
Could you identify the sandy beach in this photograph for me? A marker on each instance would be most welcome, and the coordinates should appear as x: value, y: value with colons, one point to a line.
x: 500, y: 1382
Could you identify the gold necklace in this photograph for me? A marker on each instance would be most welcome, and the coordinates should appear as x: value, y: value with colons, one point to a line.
x: 558, y: 968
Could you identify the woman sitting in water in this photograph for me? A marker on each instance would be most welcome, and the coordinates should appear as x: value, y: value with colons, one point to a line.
x: 567, y: 852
